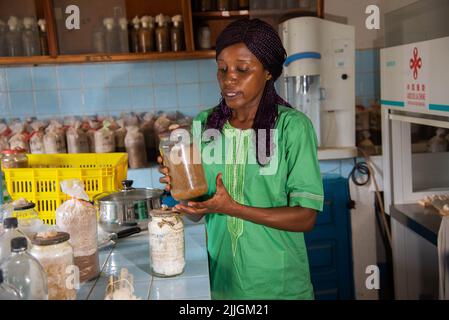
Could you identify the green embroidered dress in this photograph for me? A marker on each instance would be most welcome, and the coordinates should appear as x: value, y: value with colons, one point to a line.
x: 248, y: 260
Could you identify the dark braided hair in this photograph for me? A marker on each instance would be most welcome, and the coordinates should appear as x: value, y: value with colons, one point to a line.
x: 264, y: 42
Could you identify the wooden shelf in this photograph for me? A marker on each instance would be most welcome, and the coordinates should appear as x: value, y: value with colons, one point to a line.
x: 283, y: 12
x: 221, y: 14
x: 90, y: 58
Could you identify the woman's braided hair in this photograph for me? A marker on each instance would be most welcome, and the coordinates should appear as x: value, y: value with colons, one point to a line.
x: 264, y: 42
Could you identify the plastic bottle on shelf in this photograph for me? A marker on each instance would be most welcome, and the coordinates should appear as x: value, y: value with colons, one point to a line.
x: 7, y: 292
x: 146, y: 38
x: 134, y: 35
x: 30, y: 37
x: 24, y: 272
x: 177, y: 34
x: 11, y: 231
x: 162, y: 34
x: 110, y: 35
x: 13, y: 38
x: 2, y: 38
x: 43, y: 40
x: 123, y: 35
x: 99, y: 42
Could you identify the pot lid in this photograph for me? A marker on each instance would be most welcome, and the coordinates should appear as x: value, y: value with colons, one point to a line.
x: 132, y: 195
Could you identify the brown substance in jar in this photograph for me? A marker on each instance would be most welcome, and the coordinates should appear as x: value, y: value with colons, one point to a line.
x: 188, y: 179
x: 89, y: 266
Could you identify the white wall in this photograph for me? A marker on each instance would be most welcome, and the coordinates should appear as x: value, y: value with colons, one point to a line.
x: 353, y: 13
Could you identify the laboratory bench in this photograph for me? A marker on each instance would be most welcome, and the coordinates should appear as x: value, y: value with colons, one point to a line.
x: 423, y: 221
x: 132, y: 253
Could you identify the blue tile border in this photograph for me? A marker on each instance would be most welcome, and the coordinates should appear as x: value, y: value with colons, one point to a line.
x: 392, y: 103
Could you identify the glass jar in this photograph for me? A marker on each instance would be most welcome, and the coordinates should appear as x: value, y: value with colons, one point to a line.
x: 166, y: 236
x: 223, y: 5
x: 55, y: 254
x: 177, y: 34
x: 162, y: 34
x: 206, y: 5
x: 183, y: 160
x: 204, y: 37
x: 243, y: 4
x: 12, y: 159
x: 43, y: 40
x: 24, y: 272
x: 146, y: 35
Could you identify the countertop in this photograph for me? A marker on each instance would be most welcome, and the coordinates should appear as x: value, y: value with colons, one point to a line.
x: 133, y: 253
x: 424, y: 221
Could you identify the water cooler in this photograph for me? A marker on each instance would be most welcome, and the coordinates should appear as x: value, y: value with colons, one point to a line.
x: 319, y: 80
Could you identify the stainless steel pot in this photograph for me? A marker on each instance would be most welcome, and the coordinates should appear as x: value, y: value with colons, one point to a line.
x: 128, y: 207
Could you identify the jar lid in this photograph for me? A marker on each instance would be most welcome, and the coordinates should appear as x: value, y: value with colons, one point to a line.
x: 50, y: 238
x: 14, y: 151
x: 164, y: 213
x: 27, y: 206
x: 167, y: 132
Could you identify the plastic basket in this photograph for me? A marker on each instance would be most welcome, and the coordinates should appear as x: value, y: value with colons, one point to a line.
x: 100, y: 172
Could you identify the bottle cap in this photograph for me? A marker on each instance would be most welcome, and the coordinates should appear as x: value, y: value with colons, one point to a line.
x: 123, y: 22
x: 136, y: 22
x: 19, y: 244
x: 10, y: 223
x: 109, y: 23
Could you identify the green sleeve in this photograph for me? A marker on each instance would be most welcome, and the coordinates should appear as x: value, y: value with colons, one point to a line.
x: 304, y: 182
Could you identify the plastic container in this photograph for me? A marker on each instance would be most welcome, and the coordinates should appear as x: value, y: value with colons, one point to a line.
x: 183, y: 160
x: 12, y: 159
x: 55, y: 254
x: 7, y: 292
x: 24, y: 272
x: 166, y: 236
x: 40, y: 183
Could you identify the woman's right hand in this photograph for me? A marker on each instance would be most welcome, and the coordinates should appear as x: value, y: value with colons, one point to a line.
x: 164, y: 170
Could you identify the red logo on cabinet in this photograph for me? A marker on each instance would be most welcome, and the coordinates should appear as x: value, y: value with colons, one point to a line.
x: 415, y: 63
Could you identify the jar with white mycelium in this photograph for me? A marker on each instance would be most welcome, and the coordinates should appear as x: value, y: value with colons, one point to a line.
x: 166, y: 236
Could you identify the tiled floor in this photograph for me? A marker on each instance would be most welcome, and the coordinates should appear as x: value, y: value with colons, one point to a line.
x: 133, y: 253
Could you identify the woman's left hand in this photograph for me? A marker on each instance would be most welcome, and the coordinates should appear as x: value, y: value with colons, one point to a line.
x: 221, y: 202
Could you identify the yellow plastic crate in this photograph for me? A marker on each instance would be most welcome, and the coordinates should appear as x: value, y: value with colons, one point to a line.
x: 40, y: 183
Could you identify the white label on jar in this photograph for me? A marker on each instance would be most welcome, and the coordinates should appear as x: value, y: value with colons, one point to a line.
x: 167, y: 246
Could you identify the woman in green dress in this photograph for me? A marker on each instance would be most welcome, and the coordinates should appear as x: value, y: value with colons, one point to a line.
x: 266, y: 187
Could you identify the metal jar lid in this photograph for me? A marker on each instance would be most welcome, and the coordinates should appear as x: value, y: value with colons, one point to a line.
x: 165, y: 213
x: 50, y: 238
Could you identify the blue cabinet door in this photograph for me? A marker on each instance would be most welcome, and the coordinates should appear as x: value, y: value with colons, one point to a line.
x: 329, y: 244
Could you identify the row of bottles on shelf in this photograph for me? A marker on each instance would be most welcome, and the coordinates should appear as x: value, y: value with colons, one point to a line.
x: 23, y: 37
x: 142, y: 35
x: 220, y: 5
